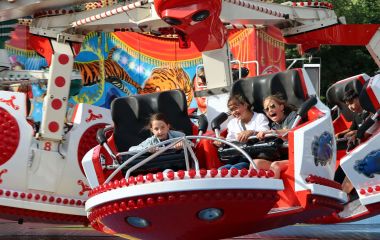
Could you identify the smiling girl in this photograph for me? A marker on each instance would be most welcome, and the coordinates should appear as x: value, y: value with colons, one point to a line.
x: 246, y: 123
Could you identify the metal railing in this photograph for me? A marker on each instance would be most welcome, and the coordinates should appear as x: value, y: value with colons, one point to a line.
x: 186, y: 147
x: 244, y: 63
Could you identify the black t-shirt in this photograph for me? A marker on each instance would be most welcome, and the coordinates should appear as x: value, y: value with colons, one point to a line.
x: 358, y: 120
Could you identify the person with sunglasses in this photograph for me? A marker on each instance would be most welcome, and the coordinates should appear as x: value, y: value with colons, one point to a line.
x: 282, y: 117
x: 244, y: 124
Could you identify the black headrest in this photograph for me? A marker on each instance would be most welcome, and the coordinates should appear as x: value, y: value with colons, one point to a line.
x: 365, y: 101
x: 131, y: 116
x: 289, y: 84
x: 335, y: 94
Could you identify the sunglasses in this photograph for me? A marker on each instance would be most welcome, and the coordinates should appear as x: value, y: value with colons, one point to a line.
x: 272, y: 106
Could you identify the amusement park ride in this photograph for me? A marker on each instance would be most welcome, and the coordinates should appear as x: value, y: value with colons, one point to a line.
x: 41, y: 173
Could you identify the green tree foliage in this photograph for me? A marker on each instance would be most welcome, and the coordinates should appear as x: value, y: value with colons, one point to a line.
x: 340, y: 62
x: 6, y: 28
x: 358, y: 11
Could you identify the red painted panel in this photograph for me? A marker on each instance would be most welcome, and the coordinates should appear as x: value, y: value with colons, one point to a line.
x: 42, y: 46
x: 242, y: 210
x: 38, y: 216
x: 9, y: 135
x: 88, y: 141
x: 208, y: 33
x: 342, y: 34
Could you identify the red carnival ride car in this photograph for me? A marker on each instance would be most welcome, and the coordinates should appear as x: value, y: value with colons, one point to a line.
x: 359, y: 162
x: 201, y: 202
x: 41, y: 179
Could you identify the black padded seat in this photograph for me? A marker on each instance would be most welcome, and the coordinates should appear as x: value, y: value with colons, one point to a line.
x: 365, y: 100
x: 131, y: 116
x: 335, y: 93
x: 290, y: 85
x: 287, y: 83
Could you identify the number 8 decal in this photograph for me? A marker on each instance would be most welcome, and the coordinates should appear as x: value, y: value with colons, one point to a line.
x: 47, y: 146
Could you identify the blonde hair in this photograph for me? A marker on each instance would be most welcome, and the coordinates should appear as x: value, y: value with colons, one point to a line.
x: 278, y: 98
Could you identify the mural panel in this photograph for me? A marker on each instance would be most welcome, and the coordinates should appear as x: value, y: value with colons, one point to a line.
x: 118, y: 64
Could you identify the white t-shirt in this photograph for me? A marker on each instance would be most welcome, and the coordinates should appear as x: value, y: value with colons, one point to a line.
x: 258, y: 122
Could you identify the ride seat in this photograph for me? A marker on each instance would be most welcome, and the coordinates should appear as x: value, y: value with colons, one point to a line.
x: 334, y: 96
x: 287, y: 83
x: 131, y: 116
x: 255, y: 89
x: 368, y: 100
x: 335, y: 93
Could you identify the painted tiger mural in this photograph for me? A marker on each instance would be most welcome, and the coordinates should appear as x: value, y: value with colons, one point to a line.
x: 113, y: 73
x: 162, y: 79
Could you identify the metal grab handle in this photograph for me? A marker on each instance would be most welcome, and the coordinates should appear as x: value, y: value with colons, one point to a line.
x: 203, y: 125
x: 119, y: 155
x: 244, y: 153
x: 302, y: 111
x: 269, y: 135
x: 153, y: 156
x: 305, y: 107
x: 367, y: 124
x: 217, y: 121
x: 174, y: 141
x: 102, y: 140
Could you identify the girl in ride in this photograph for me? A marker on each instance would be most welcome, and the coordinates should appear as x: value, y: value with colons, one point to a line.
x: 282, y: 117
x: 246, y: 123
x: 160, y: 128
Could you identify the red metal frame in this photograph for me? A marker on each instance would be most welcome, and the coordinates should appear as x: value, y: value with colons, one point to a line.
x: 342, y: 34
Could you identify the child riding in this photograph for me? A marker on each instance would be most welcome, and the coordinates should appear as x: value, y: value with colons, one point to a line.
x: 160, y: 128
